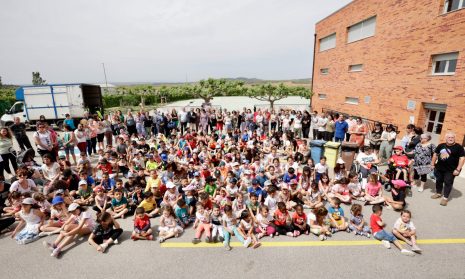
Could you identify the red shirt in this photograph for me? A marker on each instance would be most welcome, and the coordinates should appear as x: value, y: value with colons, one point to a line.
x: 299, y: 219
x: 106, y: 168
x: 374, y: 223
x: 400, y: 160
x: 141, y: 223
x: 280, y: 218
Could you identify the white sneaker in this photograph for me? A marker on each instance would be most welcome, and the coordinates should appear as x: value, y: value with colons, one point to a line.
x: 407, y: 252
x: 386, y: 244
x: 420, y: 189
x: 115, y: 241
x: 55, y: 252
x: 247, y: 242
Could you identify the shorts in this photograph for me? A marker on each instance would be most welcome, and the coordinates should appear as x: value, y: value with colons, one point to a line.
x: 384, y: 235
x: 100, y: 137
x: 69, y: 149
x: 177, y: 229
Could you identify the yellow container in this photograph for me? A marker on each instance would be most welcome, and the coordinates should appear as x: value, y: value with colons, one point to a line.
x: 332, y: 153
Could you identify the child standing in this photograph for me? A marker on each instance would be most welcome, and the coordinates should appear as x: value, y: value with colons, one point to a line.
x: 30, y: 222
x: 377, y: 225
x: 168, y: 227
x: 357, y: 223
x: 405, y: 230
x: 202, y: 223
x: 142, y: 226
x: 336, y: 215
x: 105, y: 233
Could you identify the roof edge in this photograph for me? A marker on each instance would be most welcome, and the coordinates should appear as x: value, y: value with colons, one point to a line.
x: 335, y: 12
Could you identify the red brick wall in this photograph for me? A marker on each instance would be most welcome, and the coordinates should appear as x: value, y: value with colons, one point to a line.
x: 396, y: 62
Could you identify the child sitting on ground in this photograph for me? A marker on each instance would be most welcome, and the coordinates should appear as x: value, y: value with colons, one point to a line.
x: 150, y: 205
x: 282, y: 220
x: 319, y: 223
x: 31, y: 219
x: 299, y: 221
x: 182, y: 214
x: 142, y: 226
x: 336, y: 216
x: 119, y: 204
x: 265, y: 223
x: 58, y: 216
x: 202, y: 223
x: 377, y: 226
x: 246, y: 230
x: 168, y: 227
x: 313, y: 198
x: 405, y: 230
x: 355, y: 188
x: 400, y: 162
x: 85, y: 193
x: 14, y: 200
x: 357, y: 223
x: 374, y: 190
x: 105, y: 233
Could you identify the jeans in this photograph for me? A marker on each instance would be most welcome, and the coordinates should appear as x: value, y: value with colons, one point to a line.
x: 227, y: 236
x: 384, y: 235
x: 444, y: 179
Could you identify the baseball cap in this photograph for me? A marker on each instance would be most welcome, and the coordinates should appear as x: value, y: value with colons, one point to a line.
x: 82, y: 182
x: 398, y: 147
x: 57, y: 200
x: 293, y: 181
x: 73, y: 206
x: 98, y: 189
x: 170, y: 185
x: 340, y: 161
x: 254, y: 181
x: 196, y: 173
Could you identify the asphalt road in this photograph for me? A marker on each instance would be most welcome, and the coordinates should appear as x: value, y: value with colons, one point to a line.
x: 343, y: 255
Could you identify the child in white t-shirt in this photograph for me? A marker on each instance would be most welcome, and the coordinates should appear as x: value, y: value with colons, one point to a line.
x: 264, y: 220
x: 405, y: 230
x: 321, y: 168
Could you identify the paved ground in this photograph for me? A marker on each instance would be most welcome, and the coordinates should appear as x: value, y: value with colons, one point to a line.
x: 441, y: 231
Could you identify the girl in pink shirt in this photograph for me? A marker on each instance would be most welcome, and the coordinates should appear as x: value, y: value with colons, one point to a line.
x: 374, y: 190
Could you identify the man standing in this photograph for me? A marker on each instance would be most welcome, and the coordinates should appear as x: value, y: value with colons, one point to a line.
x: 19, y: 130
x: 340, y: 129
x: 314, y: 119
x: 183, y: 119
x: 447, y: 161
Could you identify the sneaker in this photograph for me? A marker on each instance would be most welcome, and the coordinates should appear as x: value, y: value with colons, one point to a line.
x: 296, y: 233
x: 162, y: 239
x: 333, y: 230
x: 420, y: 189
x: 322, y: 237
x: 290, y: 234
x: 247, y: 242
x: 194, y: 241
x: 356, y: 233
x: 416, y: 249
x: 407, y: 252
x: 115, y: 241
x: 260, y: 235
x: 42, y: 234
x: 348, y: 230
x: 221, y: 239
x: 55, y: 252
x: 227, y: 247
x: 272, y: 235
x: 443, y: 202
x: 436, y: 196
x: 386, y: 244
x: 208, y: 239
x: 368, y: 235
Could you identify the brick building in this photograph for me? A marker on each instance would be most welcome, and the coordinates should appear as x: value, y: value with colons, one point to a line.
x: 394, y: 61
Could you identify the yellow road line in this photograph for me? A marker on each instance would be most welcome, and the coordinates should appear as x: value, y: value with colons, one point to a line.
x: 309, y: 243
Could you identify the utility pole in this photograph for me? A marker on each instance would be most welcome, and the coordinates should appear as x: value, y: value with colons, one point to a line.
x: 105, y: 74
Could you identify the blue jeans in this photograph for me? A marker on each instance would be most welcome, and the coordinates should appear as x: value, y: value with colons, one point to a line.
x: 384, y: 235
x: 227, y: 236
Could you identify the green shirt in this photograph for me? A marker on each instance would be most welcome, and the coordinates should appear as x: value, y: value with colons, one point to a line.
x: 210, y: 189
x: 85, y: 193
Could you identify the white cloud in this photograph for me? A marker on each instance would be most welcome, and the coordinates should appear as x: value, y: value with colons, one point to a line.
x: 158, y: 40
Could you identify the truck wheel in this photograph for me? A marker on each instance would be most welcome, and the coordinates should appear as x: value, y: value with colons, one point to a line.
x: 8, y: 124
x: 60, y: 125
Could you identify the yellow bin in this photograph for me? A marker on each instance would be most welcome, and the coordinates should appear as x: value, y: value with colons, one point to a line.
x: 332, y: 153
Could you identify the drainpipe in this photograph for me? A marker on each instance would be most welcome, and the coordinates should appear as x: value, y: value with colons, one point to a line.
x: 313, y: 72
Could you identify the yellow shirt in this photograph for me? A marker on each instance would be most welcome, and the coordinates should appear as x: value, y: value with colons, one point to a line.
x: 151, y: 165
x: 152, y: 183
x: 148, y: 205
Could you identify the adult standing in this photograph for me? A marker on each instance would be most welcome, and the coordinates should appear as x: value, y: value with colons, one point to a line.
x: 80, y: 135
x: 448, y: 160
x: 5, y: 222
x: 306, y: 122
x: 130, y: 122
x: 192, y: 118
x: 375, y: 137
x: 43, y: 140
x: 330, y: 127
x: 358, y: 132
x: 204, y: 121
x: 107, y: 127
x: 423, y: 154
x: 340, y: 129
x: 388, y: 139
x: 321, y: 124
x: 19, y: 131
x: 6, y: 146
x: 183, y: 119
x: 315, y: 118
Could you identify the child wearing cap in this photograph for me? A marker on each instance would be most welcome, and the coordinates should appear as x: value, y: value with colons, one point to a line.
x: 400, y: 162
x: 171, y: 196
x: 30, y: 221
x: 397, y: 199
x: 58, y: 216
x: 85, y: 194
x: 79, y: 223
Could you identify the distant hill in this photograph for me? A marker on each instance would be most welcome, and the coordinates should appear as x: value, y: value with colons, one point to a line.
x: 249, y: 81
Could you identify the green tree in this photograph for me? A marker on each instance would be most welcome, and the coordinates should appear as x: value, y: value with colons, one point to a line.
x: 37, y: 79
x: 272, y: 93
x: 207, y: 89
x: 1, y: 84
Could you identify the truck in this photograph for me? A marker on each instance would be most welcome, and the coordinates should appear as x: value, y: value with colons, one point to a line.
x: 53, y: 102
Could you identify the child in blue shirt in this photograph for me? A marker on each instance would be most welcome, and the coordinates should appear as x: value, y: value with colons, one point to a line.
x: 182, y: 214
x: 336, y: 216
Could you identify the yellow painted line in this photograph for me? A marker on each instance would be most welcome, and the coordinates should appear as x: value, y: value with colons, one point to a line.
x: 309, y: 243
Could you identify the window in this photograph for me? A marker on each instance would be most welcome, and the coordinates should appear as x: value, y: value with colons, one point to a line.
x: 445, y: 64
x: 322, y: 96
x: 452, y: 5
x: 362, y: 30
x: 352, y: 100
x: 356, y: 68
x: 324, y: 71
x: 328, y: 42
x: 367, y: 99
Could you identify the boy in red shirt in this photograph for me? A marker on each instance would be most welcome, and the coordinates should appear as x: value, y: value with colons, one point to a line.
x: 377, y: 227
x: 400, y: 162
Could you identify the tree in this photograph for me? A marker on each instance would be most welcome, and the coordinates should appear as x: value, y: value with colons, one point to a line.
x: 1, y: 81
x: 37, y: 79
x: 207, y: 89
x: 272, y: 93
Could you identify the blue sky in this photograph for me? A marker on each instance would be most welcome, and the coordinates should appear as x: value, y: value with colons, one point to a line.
x: 158, y: 40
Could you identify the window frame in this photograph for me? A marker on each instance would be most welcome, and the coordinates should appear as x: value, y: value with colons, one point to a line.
x: 326, y: 37
x: 355, y: 71
x: 460, y: 6
x: 361, y: 23
x: 352, y: 102
x: 322, y: 96
x: 437, y: 58
x: 322, y: 71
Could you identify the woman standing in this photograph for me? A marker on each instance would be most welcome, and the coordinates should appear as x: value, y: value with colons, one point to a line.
x: 330, y: 127
x: 107, y: 127
x: 358, y: 132
x: 423, y: 153
x: 100, y: 130
x: 80, y: 135
x: 388, y: 138
x: 6, y: 146
x: 375, y: 137
x: 43, y: 140
x: 219, y: 121
x: 130, y: 124
x: 203, y: 121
